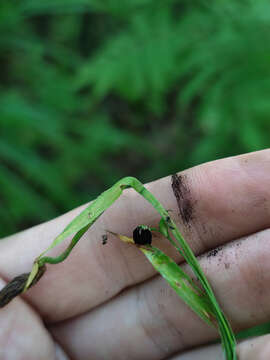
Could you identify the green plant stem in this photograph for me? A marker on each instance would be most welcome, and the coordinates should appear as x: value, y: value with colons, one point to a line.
x: 56, y: 260
x: 88, y: 216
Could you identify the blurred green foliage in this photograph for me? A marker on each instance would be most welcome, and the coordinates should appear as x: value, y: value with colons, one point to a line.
x: 91, y: 91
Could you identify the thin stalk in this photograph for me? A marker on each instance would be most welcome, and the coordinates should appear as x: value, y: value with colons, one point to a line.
x: 96, y: 208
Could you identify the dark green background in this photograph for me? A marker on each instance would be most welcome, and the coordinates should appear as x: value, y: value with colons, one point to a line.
x: 91, y: 91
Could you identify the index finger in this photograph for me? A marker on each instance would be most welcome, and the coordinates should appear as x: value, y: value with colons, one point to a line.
x: 211, y: 203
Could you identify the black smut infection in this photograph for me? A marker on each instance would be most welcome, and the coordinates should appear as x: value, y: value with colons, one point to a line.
x: 142, y: 236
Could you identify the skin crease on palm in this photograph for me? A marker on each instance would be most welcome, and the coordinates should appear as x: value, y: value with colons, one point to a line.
x: 107, y: 302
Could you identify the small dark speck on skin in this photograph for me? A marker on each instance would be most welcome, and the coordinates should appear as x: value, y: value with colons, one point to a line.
x: 161, y: 307
x: 214, y: 252
x: 227, y: 265
x: 104, y: 239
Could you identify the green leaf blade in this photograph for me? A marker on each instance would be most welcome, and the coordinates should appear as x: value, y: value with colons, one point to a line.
x: 92, y: 212
x: 180, y: 282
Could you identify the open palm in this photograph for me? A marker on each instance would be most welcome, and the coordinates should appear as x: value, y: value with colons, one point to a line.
x: 107, y: 302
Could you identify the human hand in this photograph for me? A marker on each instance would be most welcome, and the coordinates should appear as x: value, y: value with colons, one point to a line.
x: 107, y: 302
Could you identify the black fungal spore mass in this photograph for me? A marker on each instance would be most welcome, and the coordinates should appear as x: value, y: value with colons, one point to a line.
x: 142, y: 235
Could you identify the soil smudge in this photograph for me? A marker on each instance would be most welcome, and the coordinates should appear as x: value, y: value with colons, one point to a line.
x: 182, y: 194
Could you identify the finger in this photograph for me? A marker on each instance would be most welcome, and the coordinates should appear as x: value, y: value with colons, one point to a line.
x: 150, y: 321
x: 217, y: 201
x: 22, y: 334
x: 208, y: 352
x: 60, y: 354
x: 256, y: 348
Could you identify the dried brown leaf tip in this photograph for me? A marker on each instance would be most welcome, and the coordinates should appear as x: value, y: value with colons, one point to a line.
x: 16, y: 286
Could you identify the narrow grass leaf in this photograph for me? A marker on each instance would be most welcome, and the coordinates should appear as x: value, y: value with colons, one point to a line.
x: 180, y: 282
